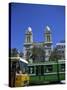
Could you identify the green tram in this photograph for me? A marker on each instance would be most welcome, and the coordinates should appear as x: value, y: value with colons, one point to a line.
x: 46, y: 72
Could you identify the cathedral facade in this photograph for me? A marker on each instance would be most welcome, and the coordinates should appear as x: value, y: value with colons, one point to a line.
x: 46, y: 45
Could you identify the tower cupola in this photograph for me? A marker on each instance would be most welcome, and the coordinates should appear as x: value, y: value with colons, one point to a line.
x: 48, y: 37
x: 28, y: 35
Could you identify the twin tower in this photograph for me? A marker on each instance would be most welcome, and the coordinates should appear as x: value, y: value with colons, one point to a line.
x: 47, y: 43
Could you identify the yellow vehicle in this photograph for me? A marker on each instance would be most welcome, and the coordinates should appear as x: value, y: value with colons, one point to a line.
x: 19, y: 72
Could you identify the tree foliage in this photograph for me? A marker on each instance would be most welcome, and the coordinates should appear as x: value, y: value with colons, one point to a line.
x: 13, y: 52
x: 38, y: 54
x: 54, y: 55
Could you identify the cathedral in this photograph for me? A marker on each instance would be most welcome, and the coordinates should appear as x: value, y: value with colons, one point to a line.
x: 46, y: 45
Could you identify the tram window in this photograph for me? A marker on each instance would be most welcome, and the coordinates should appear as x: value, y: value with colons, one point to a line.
x: 18, y: 68
x: 62, y: 67
x: 23, y: 71
x: 48, y: 68
x: 26, y: 69
x: 31, y: 70
x: 42, y: 70
x: 13, y: 66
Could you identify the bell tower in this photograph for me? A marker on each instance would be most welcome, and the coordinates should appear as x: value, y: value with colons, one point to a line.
x: 48, y: 42
x: 28, y: 36
x: 48, y: 38
x: 28, y: 42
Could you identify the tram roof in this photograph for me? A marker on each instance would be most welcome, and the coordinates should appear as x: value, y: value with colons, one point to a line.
x: 18, y: 58
x: 23, y: 60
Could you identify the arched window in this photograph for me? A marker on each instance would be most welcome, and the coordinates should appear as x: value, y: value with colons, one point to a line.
x: 28, y: 39
x: 48, y: 38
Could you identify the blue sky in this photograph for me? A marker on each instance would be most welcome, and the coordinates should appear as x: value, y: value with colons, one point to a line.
x: 37, y: 17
